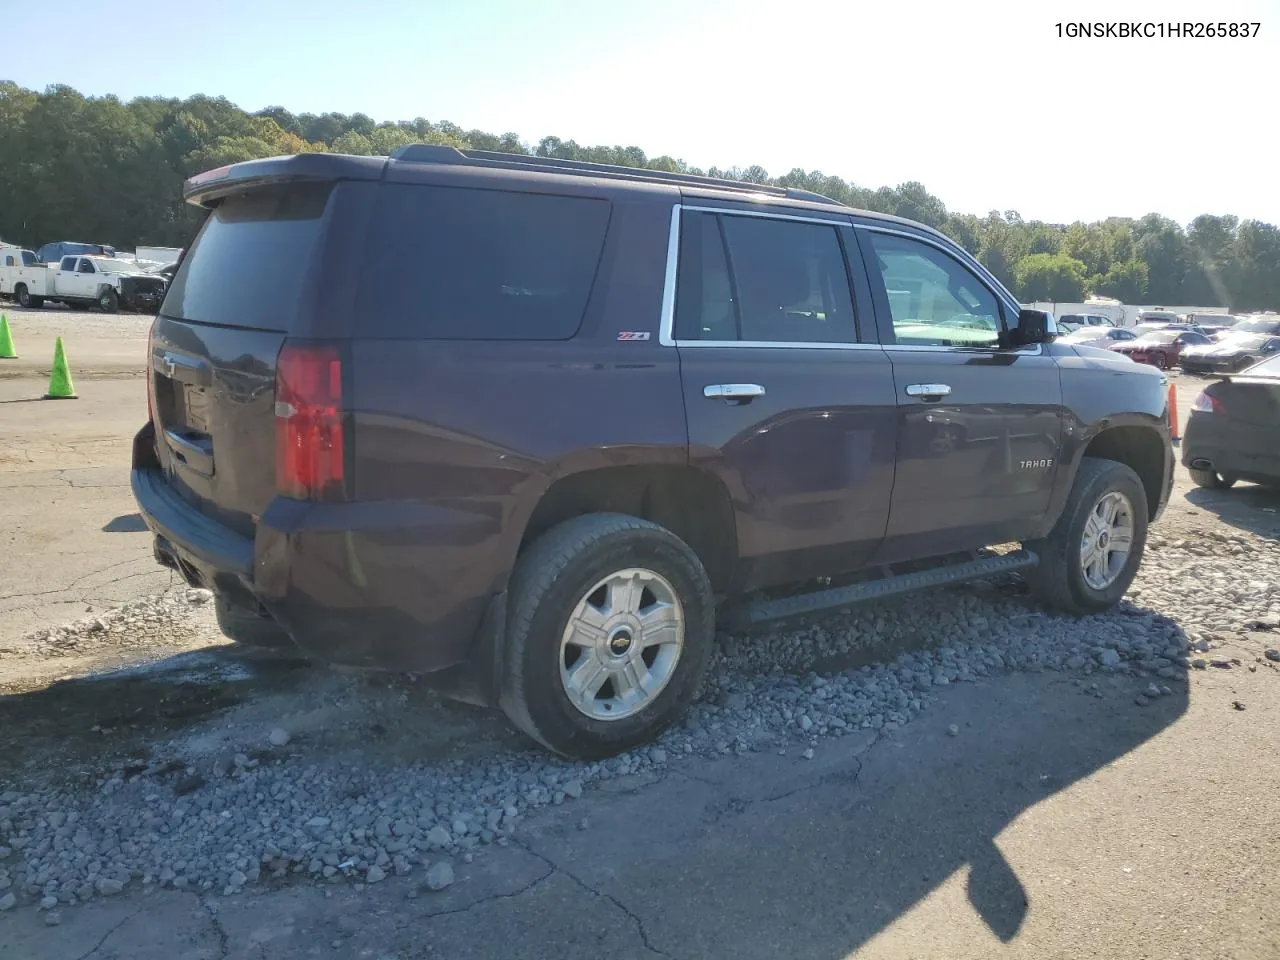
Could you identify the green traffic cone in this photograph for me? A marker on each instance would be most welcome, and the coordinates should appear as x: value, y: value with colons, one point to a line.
x: 60, y: 385
x: 7, y: 349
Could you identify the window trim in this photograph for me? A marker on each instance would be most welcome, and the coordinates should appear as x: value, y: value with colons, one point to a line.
x: 666, y: 322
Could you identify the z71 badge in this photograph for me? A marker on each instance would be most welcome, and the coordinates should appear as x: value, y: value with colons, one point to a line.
x: 633, y: 334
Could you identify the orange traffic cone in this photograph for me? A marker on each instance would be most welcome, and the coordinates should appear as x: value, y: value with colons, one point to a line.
x: 1173, y: 414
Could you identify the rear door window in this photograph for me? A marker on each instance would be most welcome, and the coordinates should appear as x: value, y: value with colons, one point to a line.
x: 762, y: 280
x: 250, y: 264
x: 464, y: 264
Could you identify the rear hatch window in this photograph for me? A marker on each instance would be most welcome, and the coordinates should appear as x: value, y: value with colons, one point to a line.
x: 466, y: 264
x: 250, y: 264
x: 246, y: 283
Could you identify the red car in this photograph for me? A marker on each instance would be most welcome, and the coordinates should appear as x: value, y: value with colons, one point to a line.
x: 1160, y: 348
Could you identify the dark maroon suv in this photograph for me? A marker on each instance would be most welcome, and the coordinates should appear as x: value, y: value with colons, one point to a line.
x: 539, y: 421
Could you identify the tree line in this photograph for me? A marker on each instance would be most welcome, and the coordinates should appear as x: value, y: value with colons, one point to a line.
x: 102, y: 170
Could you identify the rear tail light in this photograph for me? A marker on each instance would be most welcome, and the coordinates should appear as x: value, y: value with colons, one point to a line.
x: 310, y: 449
x: 1207, y: 403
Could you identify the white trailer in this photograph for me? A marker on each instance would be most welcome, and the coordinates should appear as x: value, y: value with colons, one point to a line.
x: 1117, y: 313
x: 159, y: 254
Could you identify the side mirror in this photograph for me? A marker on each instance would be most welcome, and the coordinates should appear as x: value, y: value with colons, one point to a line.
x: 1034, y: 326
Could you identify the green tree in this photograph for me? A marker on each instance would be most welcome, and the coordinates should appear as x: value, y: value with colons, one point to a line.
x: 1125, y: 281
x: 1049, y: 276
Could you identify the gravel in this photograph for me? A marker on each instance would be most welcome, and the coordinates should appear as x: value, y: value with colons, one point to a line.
x: 196, y: 818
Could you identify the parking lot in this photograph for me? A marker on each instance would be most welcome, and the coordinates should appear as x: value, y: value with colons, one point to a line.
x: 950, y: 775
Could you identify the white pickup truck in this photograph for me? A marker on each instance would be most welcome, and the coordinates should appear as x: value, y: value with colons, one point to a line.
x: 105, y: 282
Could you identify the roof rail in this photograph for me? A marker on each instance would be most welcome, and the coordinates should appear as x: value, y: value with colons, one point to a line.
x: 442, y: 153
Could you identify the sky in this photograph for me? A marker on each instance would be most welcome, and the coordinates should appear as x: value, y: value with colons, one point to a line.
x: 981, y: 101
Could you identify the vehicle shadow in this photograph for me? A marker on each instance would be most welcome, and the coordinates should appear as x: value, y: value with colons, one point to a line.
x: 777, y: 856
x: 760, y: 855
x: 1246, y: 506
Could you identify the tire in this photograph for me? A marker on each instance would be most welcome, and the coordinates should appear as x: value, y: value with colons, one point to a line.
x: 250, y: 628
x: 23, y: 295
x: 1162, y: 363
x: 559, y: 574
x: 1211, y: 479
x: 109, y: 301
x: 1059, y: 580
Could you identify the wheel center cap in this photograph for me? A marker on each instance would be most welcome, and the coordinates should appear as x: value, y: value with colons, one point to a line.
x: 620, y: 642
x: 1103, y: 538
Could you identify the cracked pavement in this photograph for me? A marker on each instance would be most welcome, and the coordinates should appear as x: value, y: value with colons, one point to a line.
x: 1055, y: 824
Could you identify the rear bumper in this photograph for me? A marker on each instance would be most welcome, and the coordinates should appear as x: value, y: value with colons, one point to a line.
x: 1205, y: 368
x: 388, y: 585
x: 1244, y: 454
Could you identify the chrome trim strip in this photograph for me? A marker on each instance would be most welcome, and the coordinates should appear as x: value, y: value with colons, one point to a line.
x: 730, y: 212
x: 765, y: 344
x: 667, y: 319
x: 1034, y: 350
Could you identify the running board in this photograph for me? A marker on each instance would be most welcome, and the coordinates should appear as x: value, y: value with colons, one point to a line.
x: 822, y: 601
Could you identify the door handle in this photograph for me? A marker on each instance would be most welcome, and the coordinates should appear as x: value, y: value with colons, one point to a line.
x: 928, y: 391
x: 733, y: 392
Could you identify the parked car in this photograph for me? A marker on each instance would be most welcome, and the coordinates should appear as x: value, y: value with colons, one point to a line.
x: 1160, y: 348
x: 1146, y: 328
x: 1074, y: 321
x: 54, y: 252
x: 84, y: 281
x: 1102, y: 337
x: 1233, y: 352
x: 1158, y: 316
x: 602, y: 404
x: 1233, y: 432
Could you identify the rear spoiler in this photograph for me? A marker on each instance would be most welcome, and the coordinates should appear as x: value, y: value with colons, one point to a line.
x: 205, y: 189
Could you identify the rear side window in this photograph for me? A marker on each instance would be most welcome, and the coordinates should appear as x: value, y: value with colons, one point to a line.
x: 250, y: 263
x: 463, y: 264
x: 761, y: 280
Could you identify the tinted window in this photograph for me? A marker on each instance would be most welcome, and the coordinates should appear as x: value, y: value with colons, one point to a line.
x: 29, y: 259
x: 762, y: 281
x: 933, y: 299
x: 249, y: 264
x: 465, y: 264
x: 705, y: 308
x: 68, y: 264
x: 86, y: 266
x: 1120, y: 335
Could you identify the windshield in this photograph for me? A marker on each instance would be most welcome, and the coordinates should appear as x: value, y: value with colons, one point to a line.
x: 1246, y: 342
x: 1255, y: 326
